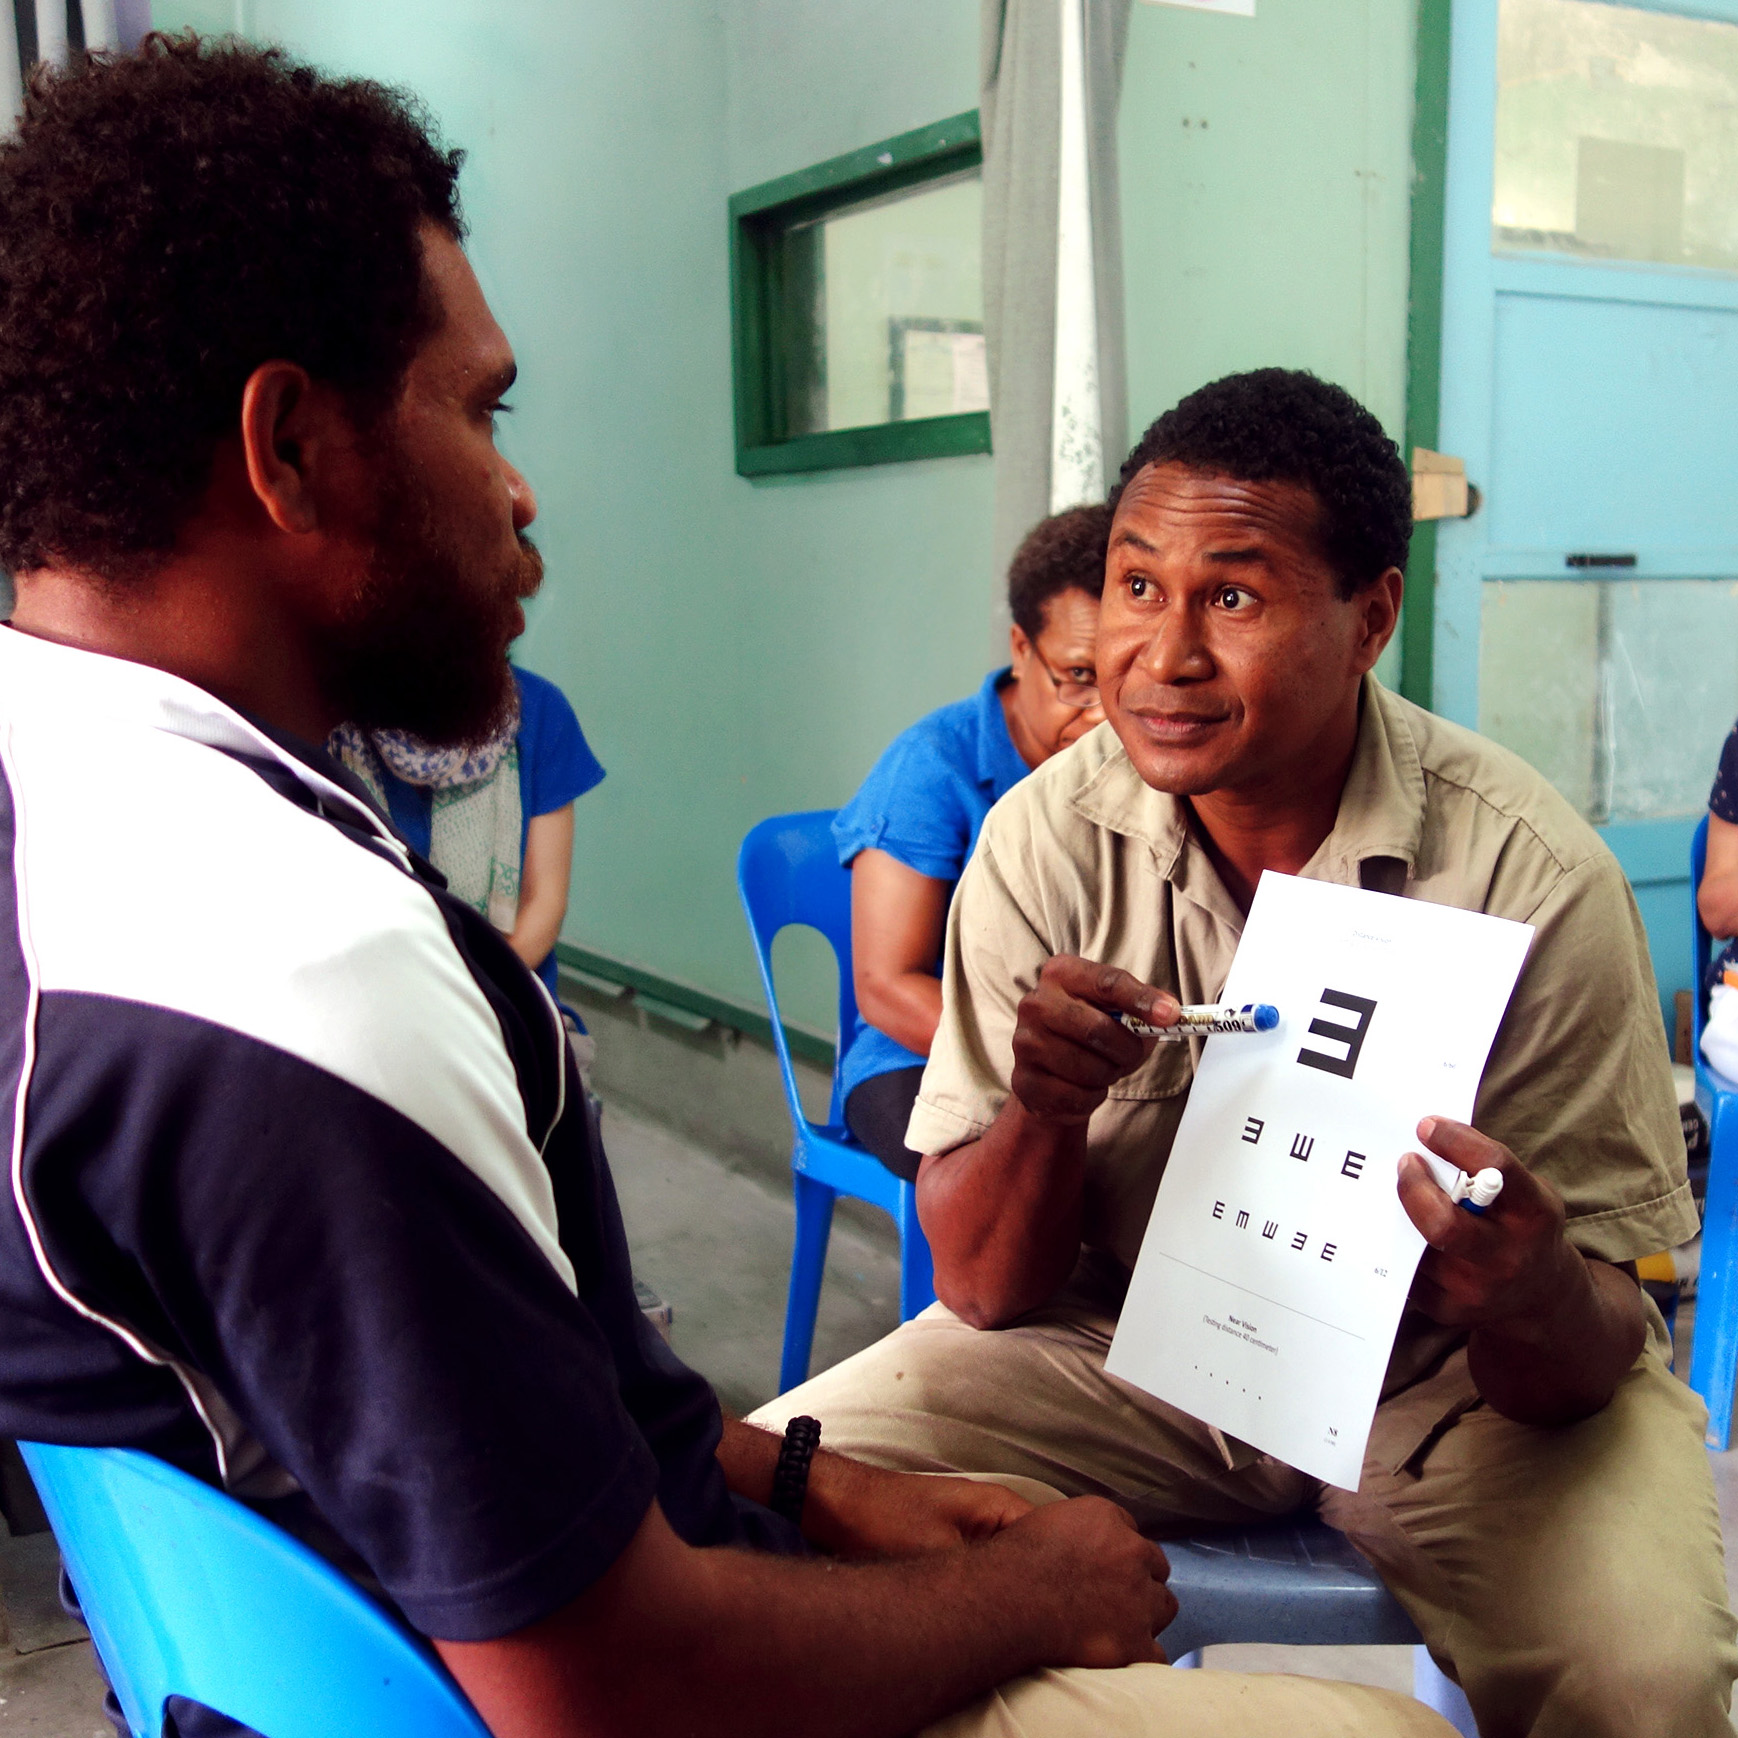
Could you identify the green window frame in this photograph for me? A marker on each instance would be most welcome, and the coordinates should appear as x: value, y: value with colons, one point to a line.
x: 762, y: 332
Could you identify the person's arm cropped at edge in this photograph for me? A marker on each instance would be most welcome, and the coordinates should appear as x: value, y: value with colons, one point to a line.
x: 1717, y: 897
x: 543, y: 882
x: 673, y: 1640
x: 898, y: 916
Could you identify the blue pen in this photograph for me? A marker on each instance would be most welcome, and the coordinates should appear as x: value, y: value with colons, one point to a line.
x: 1204, y: 1020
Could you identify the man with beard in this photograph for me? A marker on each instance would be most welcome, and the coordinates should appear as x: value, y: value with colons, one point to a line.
x: 304, y: 1195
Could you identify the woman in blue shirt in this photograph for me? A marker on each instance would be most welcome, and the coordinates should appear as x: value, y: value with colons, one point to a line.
x: 496, y: 818
x: 908, y: 832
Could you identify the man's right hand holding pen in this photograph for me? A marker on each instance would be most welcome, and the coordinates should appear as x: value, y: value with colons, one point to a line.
x: 1003, y: 1213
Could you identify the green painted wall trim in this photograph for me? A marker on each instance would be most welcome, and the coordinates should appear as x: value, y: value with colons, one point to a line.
x: 883, y: 168
x: 1424, y: 328
x: 759, y: 217
x: 665, y: 999
x: 884, y: 443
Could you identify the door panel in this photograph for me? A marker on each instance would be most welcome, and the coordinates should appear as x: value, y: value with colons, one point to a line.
x: 1602, y: 437
x: 1590, y: 381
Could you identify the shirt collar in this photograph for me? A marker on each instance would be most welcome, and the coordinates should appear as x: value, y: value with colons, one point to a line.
x: 1381, y: 813
x: 42, y: 677
x: 999, y: 766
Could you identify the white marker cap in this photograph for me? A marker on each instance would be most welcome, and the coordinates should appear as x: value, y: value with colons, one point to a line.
x: 1485, y: 1187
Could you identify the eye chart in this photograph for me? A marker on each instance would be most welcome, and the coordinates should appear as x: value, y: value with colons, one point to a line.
x: 1278, y: 1258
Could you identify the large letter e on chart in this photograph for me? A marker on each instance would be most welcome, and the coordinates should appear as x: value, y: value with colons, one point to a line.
x: 1351, y: 1036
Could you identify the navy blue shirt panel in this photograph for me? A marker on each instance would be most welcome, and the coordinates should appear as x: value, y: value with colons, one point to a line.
x: 471, y: 1438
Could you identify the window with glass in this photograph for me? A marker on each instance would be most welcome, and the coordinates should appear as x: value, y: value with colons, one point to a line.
x: 1619, y: 691
x: 1615, y: 136
x: 858, y: 308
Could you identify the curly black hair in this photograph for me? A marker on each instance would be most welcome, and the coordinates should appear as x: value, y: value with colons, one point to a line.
x: 169, y: 220
x: 1064, y: 552
x: 1287, y: 426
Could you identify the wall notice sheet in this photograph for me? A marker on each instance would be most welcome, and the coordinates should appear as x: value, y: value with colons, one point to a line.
x: 1277, y: 1261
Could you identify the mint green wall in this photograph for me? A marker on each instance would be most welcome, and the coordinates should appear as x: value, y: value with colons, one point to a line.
x: 738, y: 649
x: 1266, y: 169
x: 1266, y: 172
x: 732, y: 649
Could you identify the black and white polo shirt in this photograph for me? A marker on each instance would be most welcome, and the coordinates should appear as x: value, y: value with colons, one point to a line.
x: 303, y: 1194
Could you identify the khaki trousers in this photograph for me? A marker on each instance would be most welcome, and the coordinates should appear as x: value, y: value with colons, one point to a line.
x: 1156, y: 1702
x: 1571, y: 1579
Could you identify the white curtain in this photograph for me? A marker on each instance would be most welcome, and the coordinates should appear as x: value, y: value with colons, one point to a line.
x: 1053, y: 305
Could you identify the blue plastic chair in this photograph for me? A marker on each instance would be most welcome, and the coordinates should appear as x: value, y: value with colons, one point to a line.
x: 1714, y: 1350
x: 188, y: 1593
x: 1298, y: 1585
x: 788, y: 873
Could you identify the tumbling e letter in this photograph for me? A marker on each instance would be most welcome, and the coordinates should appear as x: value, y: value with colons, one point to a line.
x: 1351, y: 1036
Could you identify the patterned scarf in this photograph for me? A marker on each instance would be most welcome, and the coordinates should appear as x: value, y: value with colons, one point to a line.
x: 476, y: 819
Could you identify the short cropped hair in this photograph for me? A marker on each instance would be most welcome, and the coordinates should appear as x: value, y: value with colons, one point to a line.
x: 1281, y: 425
x: 1062, y: 553
x: 169, y: 220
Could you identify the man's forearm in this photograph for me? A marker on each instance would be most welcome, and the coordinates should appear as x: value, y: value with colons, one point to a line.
x: 674, y: 1640
x: 1563, y: 1365
x: 874, y: 1650
x: 1003, y: 1215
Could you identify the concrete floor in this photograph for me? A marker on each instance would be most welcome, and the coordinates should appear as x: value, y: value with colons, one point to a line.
x: 715, y: 1242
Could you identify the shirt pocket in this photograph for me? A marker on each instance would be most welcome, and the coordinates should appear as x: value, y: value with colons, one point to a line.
x: 1167, y: 1073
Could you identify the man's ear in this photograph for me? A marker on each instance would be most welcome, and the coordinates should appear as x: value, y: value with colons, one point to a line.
x: 1380, y: 604
x: 1018, y: 645
x: 290, y: 429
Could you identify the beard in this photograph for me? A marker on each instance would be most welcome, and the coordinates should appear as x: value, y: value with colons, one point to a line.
x: 424, y: 646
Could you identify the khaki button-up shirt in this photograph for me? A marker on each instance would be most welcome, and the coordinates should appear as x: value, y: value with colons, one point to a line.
x: 1085, y: 858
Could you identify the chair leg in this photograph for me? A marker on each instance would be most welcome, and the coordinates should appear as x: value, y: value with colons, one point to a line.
x: 1440, y: 1693
x: 808, y: 1262
x: 916, y: 1272
x: 1714, y: 1347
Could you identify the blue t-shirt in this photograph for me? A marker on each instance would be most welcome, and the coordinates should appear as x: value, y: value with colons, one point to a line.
x: 556, y: 765
x: 923, y: 804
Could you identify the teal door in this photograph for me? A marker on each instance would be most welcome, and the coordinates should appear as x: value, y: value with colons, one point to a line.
x: 1587, y: 613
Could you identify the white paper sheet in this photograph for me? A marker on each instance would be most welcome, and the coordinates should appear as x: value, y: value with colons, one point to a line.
x: 1242, y: 8
x: 1277, y: 1261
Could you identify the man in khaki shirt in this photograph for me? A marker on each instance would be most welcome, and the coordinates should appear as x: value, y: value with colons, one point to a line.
x: 1535, y: 1490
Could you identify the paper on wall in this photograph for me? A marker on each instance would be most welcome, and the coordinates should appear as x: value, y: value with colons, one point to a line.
x: 1243, y: 8
x: 1277, y: 1261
